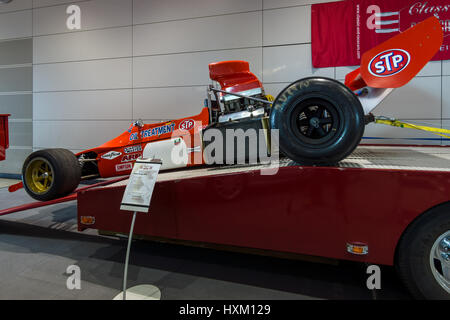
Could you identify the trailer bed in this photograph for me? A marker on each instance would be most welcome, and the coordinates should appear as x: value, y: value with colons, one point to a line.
x: 302, y: 210
x: 364, y: 157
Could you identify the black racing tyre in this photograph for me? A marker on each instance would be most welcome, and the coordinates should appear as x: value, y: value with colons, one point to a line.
x: 423, y: 255
x: 50, y: 174
x: 320, y: 121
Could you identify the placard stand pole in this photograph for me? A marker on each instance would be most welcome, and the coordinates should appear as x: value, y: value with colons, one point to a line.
x: 125, y: 272
x: 136, y: 198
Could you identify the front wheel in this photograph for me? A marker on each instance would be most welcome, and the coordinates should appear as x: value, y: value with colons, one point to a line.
x: 320, y: 121
x: 50, y: 174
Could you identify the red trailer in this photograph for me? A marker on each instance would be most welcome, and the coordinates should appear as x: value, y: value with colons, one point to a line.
x: 4, y: 135
x: 382, y: 205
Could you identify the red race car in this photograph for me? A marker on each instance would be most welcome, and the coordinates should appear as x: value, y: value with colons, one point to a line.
x: 319, y: 121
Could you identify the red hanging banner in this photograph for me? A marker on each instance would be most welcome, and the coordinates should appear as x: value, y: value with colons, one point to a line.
x: 342, y: 31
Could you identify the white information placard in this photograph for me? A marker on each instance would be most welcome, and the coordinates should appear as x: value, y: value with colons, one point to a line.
x: 139, y: 190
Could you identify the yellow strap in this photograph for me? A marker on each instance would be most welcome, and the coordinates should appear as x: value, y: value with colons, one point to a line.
x: 270, y: 98
x: 401, y: 124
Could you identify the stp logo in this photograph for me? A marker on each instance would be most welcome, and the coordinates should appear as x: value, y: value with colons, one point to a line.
x: 187, y: 124
x: 389, y: 62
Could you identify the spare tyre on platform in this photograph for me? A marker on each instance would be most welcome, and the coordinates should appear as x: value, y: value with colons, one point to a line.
x: 50, y: 174
x: 320, y: 121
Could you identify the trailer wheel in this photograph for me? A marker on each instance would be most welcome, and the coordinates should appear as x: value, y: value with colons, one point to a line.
x: 320, y: 121
x: 50, y: 174
x: 423, y: 255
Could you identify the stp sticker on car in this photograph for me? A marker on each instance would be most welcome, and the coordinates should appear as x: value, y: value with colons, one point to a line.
x: 132, y: 149
x: 111, y: 155
x: 187, y: 124
x: 389, y: 62
x: 131, y: 157
x: 124, y: 167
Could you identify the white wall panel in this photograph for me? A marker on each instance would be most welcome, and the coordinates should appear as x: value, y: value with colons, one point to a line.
x: 15, y: 25
x: 16, y: 52
x: 271, y: 4
x: 148, y: 11
x: 214, y: 33
x: 432, y: 68
x: 341, y: 72
x: 446, y: 68
x: 419, y: 99
x: 20, y: 133
x: 394, y: 135
x: 15, y: 159
x: 287, y: 26
x: 275, y: 88
x: 97, y: 44
x: 446, y: 125
x: 16, y: 79
x: 168, y: 103
x: 78, y: 135
x: 446, y: 97
x: 290, y: 63
x: 18, y: 105
x: 47, y: 3
x: 16, y: 5
x: 95, y: 14
x: 86, y: 75
x: 188, y: 69
x: 83, y: 105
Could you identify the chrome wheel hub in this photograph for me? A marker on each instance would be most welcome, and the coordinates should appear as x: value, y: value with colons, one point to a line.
x: 315, y: 122
x: 440, y: 260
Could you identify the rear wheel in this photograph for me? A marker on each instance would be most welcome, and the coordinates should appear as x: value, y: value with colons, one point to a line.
x: 50, y: 174
x: 423, y: 256
x: 320, y: 121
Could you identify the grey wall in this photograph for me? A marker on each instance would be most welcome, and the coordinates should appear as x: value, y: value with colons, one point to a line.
x: 149, y: 59
x: 16, y: 80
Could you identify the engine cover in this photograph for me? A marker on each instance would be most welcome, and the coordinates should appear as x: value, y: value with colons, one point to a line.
x: 234, y: 76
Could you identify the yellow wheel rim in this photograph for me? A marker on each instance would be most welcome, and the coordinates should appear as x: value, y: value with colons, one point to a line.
x: 39, y: 175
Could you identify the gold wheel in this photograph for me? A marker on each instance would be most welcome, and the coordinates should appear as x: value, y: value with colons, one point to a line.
x: 39, y: 175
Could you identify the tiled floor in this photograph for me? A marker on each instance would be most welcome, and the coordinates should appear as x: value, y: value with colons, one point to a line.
x: 38, y: 245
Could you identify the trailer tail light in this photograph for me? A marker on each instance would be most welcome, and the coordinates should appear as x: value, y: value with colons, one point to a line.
x: 87, y: 220
x: 360, y: 249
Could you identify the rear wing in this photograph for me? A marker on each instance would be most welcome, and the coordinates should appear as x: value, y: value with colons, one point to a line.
x: 396, y: 61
